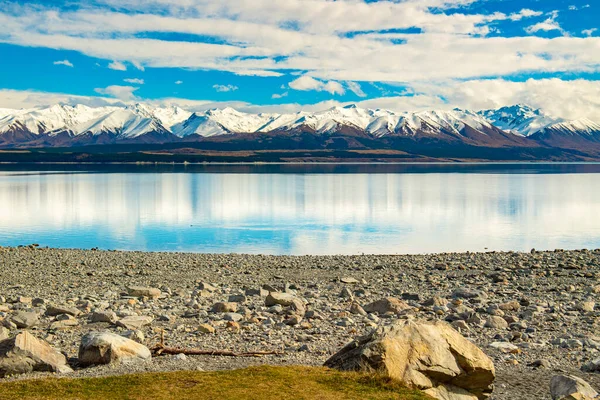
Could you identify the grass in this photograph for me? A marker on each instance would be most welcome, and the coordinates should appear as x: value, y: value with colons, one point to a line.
x: 264, y: 383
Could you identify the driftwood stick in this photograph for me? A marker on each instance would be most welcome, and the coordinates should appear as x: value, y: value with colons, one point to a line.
x: 159, y: 350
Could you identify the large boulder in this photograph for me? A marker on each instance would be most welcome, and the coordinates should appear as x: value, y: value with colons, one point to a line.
x: 109, y: 348
x: 569, y: 387
x: 431, y: 356
x: 24, y: 353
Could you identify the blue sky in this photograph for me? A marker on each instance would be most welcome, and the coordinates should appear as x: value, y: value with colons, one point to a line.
x: 309, y: 54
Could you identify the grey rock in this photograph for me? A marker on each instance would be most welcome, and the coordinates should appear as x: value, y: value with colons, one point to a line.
x: 569, y: 387
x: 104, y: 316
x: 232, y: 316
x: 496, y: 322
x: 134, y: 334
x: 25, y: 319
x: 54, y: 310
x: 134, y: 322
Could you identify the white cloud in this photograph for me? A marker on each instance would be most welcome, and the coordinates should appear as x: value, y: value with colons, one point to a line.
x: 138, y: 65
x: 117, y: 66
x: 306, y: 83
x: 259, y: 43
x: 178, y: 82
x: 66, y: 63
x: 568, y: 99
x: 356, y: 89
x: 135, y: 81
x: 548, y: 25
x: 589, y: 32
x: 17, y: 99
x: 117, y: 91
x: 225, y: 88
x: 524, y: 13
x: 279, y: 96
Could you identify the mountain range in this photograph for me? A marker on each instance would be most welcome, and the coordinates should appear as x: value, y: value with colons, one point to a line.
x: 518, y: 127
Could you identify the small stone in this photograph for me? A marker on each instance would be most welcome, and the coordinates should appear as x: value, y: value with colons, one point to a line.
x: 386, y: 305
x: 460, y: 325
x: 286, y: 300
x: 510, y: 306
x: 233, y: 317
x: 53, y: 311
x: 207, y: 286
x: 134, y: 334
x: 496, y: 322
x: 25, y: 319
x: 505, y: 347
x: 206, y: 328
x: 233, y: 326
x: 355, y: 308
x: 587, y: 306
x: 134, y: 322
x: 141, y: 291
x: 237, y: 298
x: 543, y: 364
x: 293, y: 320
x: 349, y: 280
x: 104, y: 316
x: 224, y: 307
x: 180, y: 357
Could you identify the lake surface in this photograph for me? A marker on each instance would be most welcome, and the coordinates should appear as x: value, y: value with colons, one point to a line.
x: 295, y: 209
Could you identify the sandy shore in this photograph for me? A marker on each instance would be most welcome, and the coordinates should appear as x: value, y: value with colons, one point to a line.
x: 546, y: 300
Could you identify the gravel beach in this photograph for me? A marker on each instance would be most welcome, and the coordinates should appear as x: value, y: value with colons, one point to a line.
x: 534, y: 314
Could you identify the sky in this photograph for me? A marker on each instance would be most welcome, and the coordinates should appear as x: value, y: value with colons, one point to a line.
x: 265, y: 55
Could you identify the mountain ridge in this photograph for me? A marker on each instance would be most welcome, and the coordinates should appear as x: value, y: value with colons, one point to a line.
x: 518, y: 126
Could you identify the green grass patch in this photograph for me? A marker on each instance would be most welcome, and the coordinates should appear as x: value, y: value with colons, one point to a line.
x: 264, y: 383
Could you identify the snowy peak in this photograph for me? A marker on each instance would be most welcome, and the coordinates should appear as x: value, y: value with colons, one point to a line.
x: 519, y: 119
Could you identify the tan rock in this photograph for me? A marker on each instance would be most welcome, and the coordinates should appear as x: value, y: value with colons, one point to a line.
x: 390, y: 304
x: 206, y: 328
x: 225, y: 307
x: 25, y: 353
x: 424, y: 355
x: 109, y: 348
x: 286, y: 300
x: 134, y: 322
x: 140, y: 291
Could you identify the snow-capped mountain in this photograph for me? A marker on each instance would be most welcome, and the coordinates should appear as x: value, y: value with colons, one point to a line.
x: 65, y: 125
x: 526, y: 121
x: 374, y: 122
